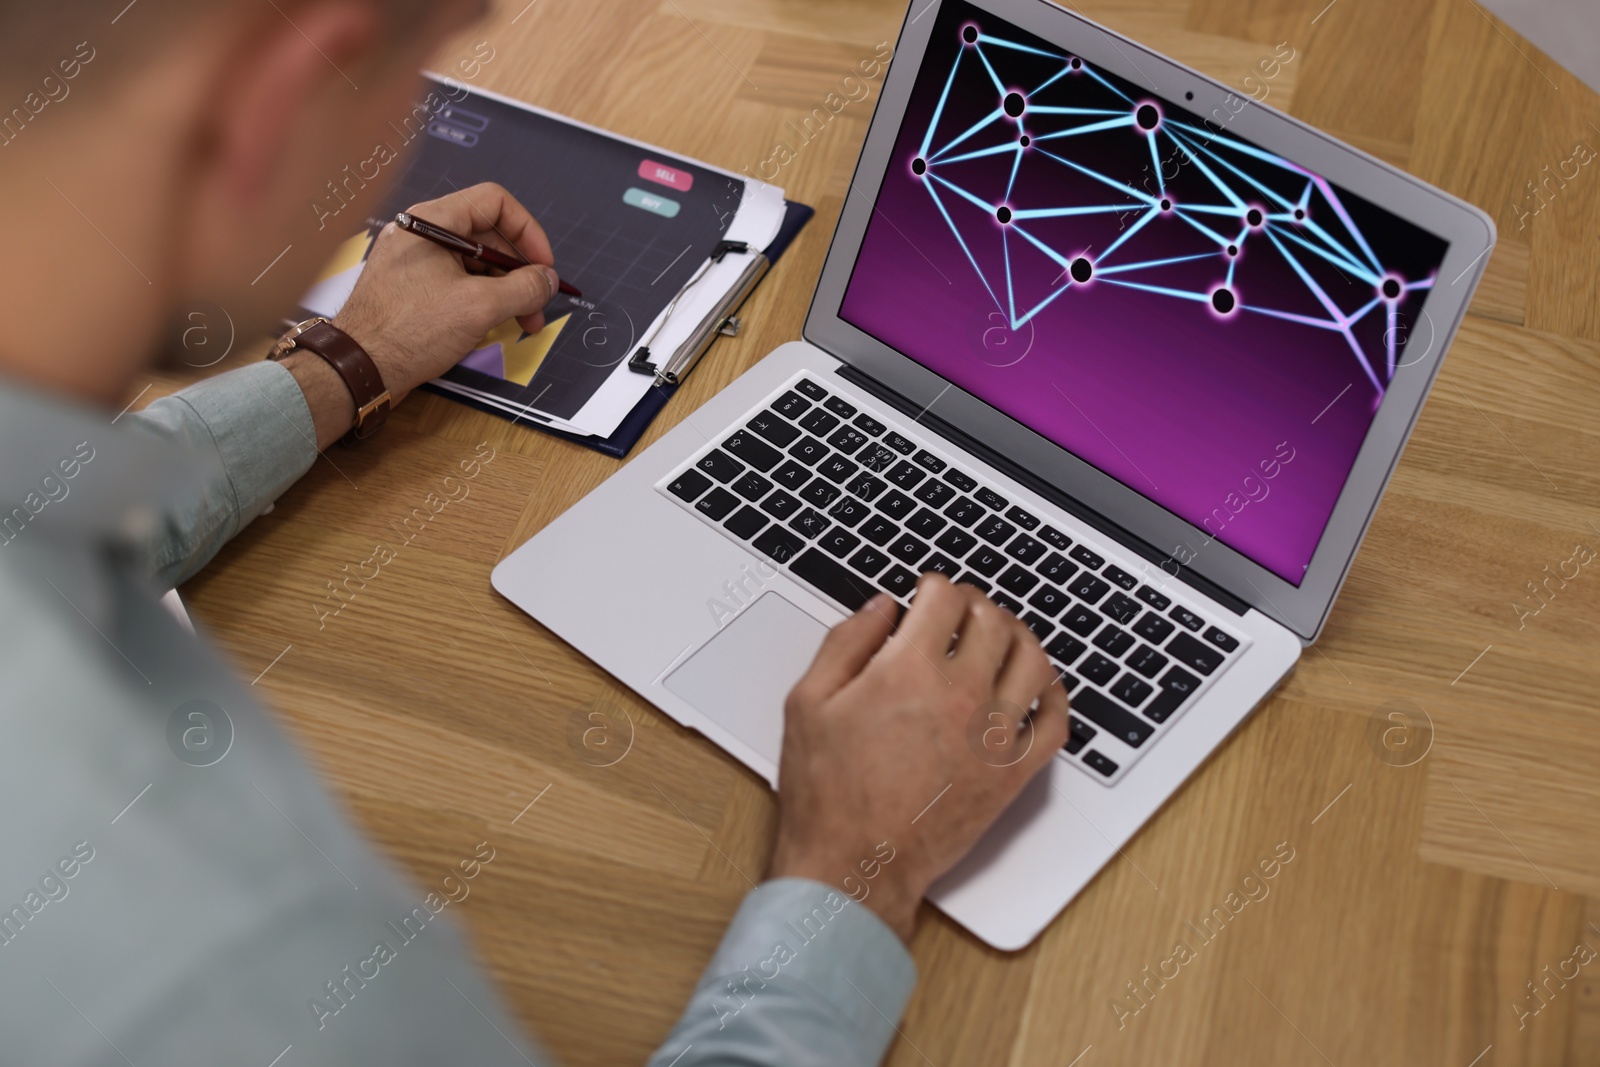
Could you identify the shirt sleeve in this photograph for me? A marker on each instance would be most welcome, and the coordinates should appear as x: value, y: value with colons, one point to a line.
x: 254, y: 429
x: 804, y: 975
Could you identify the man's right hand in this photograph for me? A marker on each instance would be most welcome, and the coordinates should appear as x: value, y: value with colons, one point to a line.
x: 909, y: 743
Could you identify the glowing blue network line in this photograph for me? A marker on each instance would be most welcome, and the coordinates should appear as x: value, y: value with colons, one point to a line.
x: 1250, y: 209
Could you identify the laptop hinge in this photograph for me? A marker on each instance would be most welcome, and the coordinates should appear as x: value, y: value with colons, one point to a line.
x: 1062, y: 500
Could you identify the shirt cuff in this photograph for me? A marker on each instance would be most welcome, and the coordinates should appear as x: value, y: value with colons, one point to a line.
x: 840, y: 950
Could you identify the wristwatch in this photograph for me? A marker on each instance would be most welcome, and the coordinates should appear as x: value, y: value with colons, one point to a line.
x: 353, y: 365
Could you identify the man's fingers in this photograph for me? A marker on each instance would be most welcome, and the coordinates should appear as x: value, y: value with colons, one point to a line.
x: 1026, y: 670
x: 848, y: 648
x: 935, y: 615
x: 985, y: 637
x: 488, y: 213
x: 517, y: 294
x: 1050, y: 727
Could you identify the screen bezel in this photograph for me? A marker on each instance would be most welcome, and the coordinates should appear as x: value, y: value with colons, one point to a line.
x: 1470, y: 233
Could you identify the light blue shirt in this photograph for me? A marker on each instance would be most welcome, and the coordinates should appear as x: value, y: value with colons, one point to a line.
x: 177, y: 887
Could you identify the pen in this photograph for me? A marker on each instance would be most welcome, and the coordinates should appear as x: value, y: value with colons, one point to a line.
x: 466, y: 246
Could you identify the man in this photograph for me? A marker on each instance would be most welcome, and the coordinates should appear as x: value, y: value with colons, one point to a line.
x: 159, y: 907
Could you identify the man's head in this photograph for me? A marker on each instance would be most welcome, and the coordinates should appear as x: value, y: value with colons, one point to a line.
x: 168, y: 154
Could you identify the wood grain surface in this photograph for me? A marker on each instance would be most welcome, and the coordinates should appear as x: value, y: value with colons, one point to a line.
x: 1432, y: 765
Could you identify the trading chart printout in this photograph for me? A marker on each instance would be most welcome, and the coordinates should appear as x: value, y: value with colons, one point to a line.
x: 1209, y: 323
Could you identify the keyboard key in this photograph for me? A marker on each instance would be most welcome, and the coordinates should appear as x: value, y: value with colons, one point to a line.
x: 809, y: 523
x: 930, y: 461
x: 746, y: 523
x: 847, y: 440
x: 877, y: 458
x: 1147, y: 661
x: 1040, y: 625
x: 819, y: 492
x: 941, y: 563
x: 1121, y: 724
x: 899, y: 581
x: 1080, y: 620
x: 968, y: 578
x: 900, y: 444
x: 1088, y: 588
x: 935, y: 494
x: 1166, y: 702
x: 839, y: 542
x: 780, y: 544
x: 1114, y: 640
x: 851, y: 590
x: 1118, y: 576
x: 1049, y: 600
x: 752, y: 450
x: 908, y: 549
x: 991, y: 499
x: 1153, y: 628
x: 752, y: 486
x: 1181, y: 680
x: 808, y: 450
x: 964, y: 512
x: 791, y: 475
x: 1121, y: 607
x: 1022, y: 518
x: 1025, y: 548
x: 1017, y: 580
x: 840, y: 406
x: 1153, y: 598
x: 849, y: 511
x: 791, y: 405
x: 1013, y: 606
x: 717, y: 504
x: 780, y: 505
x: 1087, y: 558
x: 964, y: 482
x: 1080, y: 734
x: 767, y: 424
x: 897, y: 505
x: 1098, y: 669
x: 878, y: 530
x: 906, y: 476
x: 1186, y: 618
x: 811, y: 389
x: 1132, y: 691
x: 1069, y: 681
x: 926, y: 523
x: 995, y: 530
x: 869, y: 561
x: 689, y: 485
x: 866, y: 486
x: 1057, y: 568
x: 869, y: 425
x: 720, y: 466
x: 986, y: 561
x: 1056, y: 538
x: 1064, y: 648
x: 1100, y: 763
x: 836, y: 468
x: 819, y: 422
x: 956, y: 542
x: 1192, y: 653
x: 1226, y: 642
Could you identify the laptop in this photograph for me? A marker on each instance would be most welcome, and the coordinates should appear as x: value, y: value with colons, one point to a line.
x: 1131, y: 354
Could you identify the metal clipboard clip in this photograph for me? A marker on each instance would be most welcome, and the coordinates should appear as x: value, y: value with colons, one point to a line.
x: 720, y: 322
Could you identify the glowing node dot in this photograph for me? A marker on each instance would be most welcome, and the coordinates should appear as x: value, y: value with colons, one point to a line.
x: 1166, y: 205
x: 1299, y: 213
x: 1254, y: 217
x: 1014, y: 104
x: 1026, y: 141
x: 1223, y: 301
x: 1391, y: 288
x: 1077, y: 64
x: 1147, y: 116
x: 970, y: 34
x: 1081, y: 269
x: 1003, y: 214
x: 1233, y: 250
x: 919, y: 166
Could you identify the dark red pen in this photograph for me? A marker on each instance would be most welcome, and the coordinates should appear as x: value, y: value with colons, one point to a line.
x: 466, y: 246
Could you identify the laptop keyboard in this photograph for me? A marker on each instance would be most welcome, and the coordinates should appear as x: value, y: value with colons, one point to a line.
x: 849, y: 503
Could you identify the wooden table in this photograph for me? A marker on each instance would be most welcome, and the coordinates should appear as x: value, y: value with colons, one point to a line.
x: 1422, y: 895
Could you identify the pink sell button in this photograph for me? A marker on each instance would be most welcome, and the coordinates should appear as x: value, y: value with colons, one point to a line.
x: 651, y: 171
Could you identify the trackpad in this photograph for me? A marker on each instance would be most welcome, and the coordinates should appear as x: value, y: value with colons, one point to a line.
x: 739, y: 678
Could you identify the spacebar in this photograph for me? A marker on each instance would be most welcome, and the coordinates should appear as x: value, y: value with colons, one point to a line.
x: 847, y: 588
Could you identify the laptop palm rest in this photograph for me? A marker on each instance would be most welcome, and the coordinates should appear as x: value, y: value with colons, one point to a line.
x: 740, y: 677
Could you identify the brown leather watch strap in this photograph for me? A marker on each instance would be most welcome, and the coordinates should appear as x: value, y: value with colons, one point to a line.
x: 353, y: 365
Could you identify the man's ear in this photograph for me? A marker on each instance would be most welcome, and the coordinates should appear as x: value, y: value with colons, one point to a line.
x: 279, y: 78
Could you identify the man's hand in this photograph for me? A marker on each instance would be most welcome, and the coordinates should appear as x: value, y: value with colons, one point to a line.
x: 909, y: 743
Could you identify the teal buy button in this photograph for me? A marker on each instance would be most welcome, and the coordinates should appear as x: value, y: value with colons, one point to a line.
x: 659, y: 205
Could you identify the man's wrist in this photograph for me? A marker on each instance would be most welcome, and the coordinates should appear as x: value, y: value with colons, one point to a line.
x: 891, y: 899
x: 333, y: 410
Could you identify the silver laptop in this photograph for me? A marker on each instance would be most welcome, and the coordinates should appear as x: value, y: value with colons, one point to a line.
x: 1131, y: 354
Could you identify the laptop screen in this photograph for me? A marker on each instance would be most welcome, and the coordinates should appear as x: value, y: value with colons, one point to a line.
x: 1210, y: 324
